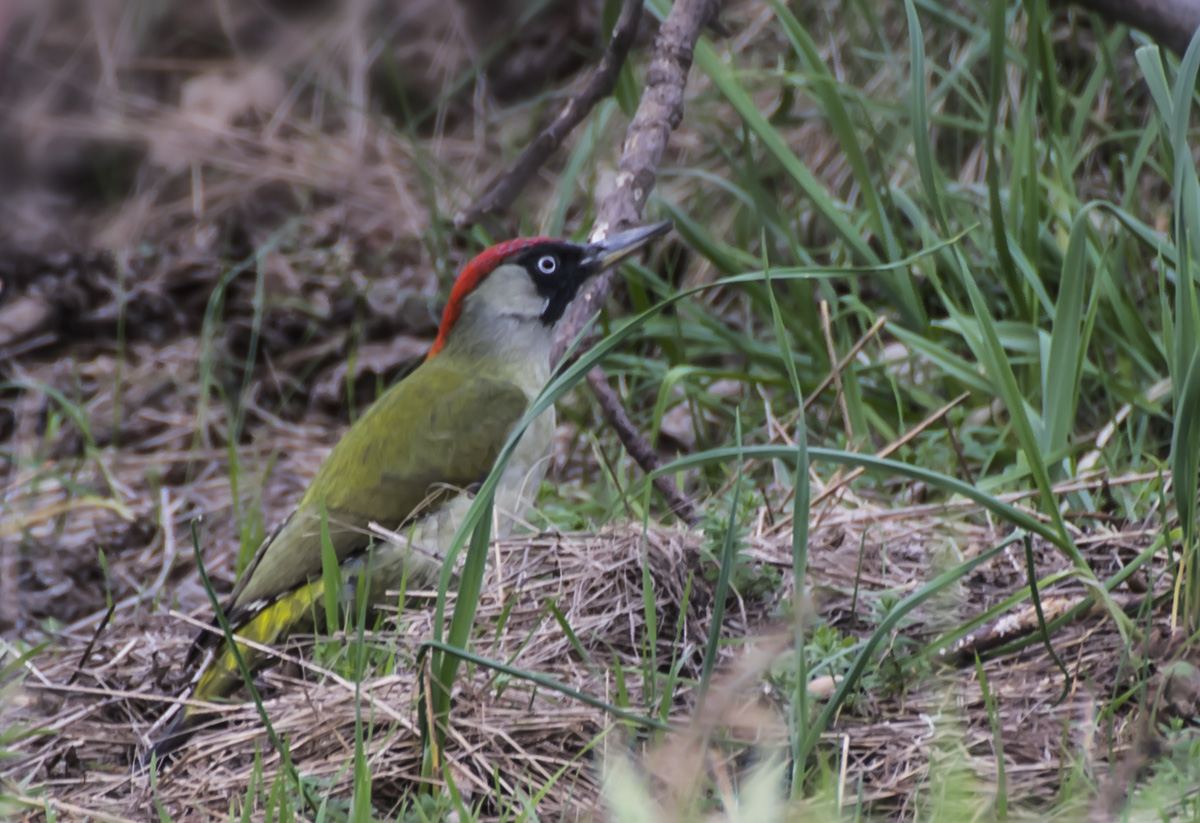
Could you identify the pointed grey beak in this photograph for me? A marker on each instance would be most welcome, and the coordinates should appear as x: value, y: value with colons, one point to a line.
x: 612, y: 250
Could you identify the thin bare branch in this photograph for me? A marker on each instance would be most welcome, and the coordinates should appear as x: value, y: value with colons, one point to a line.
x: 502, y: 191
x: 638, y: 448
x: 659, y: 112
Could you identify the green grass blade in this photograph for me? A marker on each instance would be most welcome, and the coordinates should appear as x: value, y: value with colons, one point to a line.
x: 331, y: 574
x: 896, y: 281
x: 919, y: 113
x: 712, y: 647
x: 1185, y: 439
x: 542, y: 681
x: 951, y: 485
x: 1063, y: 368
x: 801, y: 497
x: 825, y: 86
x: 997, y: 38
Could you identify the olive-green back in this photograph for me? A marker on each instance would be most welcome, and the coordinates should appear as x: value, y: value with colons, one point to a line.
x: 437, y: 429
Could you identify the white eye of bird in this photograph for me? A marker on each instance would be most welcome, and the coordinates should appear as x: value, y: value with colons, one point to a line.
x: 547, y: 264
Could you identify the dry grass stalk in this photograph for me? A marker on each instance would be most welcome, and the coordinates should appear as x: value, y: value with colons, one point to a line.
x: 530, y: 733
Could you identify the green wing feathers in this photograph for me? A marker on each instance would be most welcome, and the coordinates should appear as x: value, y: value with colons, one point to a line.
x: 390, y: 467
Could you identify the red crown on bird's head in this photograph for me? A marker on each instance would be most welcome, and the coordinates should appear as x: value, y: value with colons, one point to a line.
x: 483, y: 264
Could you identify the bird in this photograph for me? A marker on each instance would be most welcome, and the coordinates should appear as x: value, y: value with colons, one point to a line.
x: 410, y: 461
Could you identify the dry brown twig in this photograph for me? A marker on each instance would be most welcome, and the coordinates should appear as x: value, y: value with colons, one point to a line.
x: 841, y: 365
x: 639, y: 449
x: 659, y: 112
x: 502, y: 191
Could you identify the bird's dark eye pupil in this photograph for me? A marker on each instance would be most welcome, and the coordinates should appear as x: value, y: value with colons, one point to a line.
x: 547, y: 264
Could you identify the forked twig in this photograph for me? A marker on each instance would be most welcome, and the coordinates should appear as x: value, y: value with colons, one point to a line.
x: 659, y: 111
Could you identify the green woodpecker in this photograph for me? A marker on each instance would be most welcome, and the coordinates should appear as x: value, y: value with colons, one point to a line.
x: 407, y: 464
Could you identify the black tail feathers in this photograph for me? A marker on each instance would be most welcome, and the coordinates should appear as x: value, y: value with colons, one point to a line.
x: 167, y: 746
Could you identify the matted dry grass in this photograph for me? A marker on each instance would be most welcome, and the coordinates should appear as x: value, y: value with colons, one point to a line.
x: 227, y: 149
x: 509, y: 737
